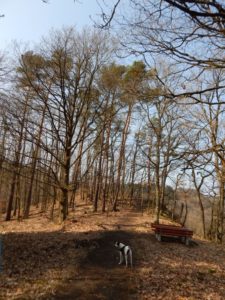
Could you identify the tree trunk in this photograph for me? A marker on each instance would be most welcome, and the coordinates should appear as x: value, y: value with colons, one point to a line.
x: 34, y: 164
x: 121, y: 156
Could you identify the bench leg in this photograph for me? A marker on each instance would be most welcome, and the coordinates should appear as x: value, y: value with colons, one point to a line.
x: 158, y: 237
x: 187, y: 241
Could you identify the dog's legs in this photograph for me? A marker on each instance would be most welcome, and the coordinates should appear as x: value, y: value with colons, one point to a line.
x: 121, y: 258
x: 131, y: 259
x: 126, y: 259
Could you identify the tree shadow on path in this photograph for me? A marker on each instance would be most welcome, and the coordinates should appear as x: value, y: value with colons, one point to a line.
x: 100, y: 275
x: 167, y: 270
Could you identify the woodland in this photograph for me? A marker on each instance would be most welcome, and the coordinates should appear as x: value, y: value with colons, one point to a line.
x: 74, y: 118
x: 126, y: 115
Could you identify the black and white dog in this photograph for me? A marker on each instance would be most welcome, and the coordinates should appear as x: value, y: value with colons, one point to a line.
x: 125, y: 252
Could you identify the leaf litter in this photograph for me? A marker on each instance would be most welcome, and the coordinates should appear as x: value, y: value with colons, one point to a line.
x: 77, y: 260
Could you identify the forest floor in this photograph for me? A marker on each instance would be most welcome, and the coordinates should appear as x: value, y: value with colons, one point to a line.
x: 77, y: 260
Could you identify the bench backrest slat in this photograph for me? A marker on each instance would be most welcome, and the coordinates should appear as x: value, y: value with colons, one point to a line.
x: 165, y: 229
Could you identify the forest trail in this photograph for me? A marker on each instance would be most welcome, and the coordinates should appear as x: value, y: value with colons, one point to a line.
x: 100, y: 276
x: 79, y: 261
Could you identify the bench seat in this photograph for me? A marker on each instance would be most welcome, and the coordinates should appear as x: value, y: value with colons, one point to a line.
x: 165, y: 230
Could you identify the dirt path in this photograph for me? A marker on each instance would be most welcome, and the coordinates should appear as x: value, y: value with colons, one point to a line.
x: 99, y: 276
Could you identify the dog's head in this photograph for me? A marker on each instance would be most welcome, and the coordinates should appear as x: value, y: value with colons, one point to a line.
x: 116, y: 244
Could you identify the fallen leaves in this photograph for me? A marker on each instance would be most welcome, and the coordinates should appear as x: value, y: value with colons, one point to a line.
x: 44, y: 260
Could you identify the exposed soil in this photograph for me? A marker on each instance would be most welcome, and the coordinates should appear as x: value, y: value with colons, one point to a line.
x: 100, y: 276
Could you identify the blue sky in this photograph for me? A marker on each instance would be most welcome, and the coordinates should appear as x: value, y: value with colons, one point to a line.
x: 28, y: 20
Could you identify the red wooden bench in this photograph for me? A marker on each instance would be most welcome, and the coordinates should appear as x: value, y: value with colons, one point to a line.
x: 164, y: 230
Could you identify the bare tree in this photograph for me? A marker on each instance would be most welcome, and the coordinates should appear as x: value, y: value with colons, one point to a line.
x: 62, y: 76
x: 189, y: 34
